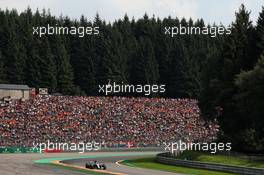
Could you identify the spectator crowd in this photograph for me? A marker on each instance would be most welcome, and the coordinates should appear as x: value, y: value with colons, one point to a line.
x: 72, y: 119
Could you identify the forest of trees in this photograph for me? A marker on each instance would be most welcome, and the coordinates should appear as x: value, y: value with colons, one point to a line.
x: 225, y: 73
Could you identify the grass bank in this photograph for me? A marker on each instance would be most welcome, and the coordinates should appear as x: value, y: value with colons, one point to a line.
x: 150, y: 163
x: 221, y: 159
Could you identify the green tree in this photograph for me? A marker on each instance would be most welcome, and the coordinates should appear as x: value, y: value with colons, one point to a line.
x: 64, y: 68
x: 179, y: 79
x: 2, y: 71
x: 47, y: 67
x: 32, y: 71
x: 15, y: 62
x: 83, y: 65
x: 260, y: 33
x: 15, y: 52
x: 210, y: 82
x: 250, y: 102
x: 237, y: 55
x: 145, y: 65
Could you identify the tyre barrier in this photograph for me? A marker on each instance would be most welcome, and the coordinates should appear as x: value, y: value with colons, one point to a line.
x: 165, y: 159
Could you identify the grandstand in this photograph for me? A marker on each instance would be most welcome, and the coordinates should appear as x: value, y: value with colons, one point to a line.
x: 141, y: 121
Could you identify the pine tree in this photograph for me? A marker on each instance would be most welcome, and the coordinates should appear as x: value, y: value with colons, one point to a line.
x: 15, y: 63
x: 178, y: 77
x: 114, y: 62
x: 145, y: 65
x: 15, y: 53
x: 32, y: 47
x: 210, y: 82
x: 83, y: 65
x: 65, y: 72
x: 238, y: 51
x: 47, y: 67
x: 260, y: 33
x: 2, y: 71
x: 32, y: 71
x: 125, y: 44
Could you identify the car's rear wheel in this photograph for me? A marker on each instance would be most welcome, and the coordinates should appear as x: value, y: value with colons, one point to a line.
x: 103, y: 167
x: 87, y: 165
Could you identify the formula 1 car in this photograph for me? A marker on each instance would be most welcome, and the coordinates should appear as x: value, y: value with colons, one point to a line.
x: 95, y: 165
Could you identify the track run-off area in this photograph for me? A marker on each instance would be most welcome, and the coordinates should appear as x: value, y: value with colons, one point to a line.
x: 73, y: 164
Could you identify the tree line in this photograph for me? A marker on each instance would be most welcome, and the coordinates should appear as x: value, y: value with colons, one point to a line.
x: 225, y: 73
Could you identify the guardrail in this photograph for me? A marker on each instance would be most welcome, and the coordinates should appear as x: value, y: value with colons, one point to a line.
x: 164, y: 159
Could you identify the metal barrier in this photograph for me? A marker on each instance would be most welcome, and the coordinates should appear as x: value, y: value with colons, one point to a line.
x: 164, y: 159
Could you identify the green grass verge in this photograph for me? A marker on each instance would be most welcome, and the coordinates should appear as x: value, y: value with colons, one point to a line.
x: 221, y: 159
x: 77, y: 170
x: 150, y: 163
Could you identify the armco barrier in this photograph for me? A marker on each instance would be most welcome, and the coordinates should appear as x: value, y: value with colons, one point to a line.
x: 164, y: 159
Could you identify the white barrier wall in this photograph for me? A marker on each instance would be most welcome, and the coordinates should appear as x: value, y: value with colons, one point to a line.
x: 14, y: 94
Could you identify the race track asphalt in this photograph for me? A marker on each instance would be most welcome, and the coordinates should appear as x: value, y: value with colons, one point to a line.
x: 23, y: 164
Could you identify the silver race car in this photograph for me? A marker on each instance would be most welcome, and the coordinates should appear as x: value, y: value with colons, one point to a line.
x: 95, y: 165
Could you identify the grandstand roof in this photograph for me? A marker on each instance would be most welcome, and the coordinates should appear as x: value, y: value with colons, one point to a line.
x: 14, y: 87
